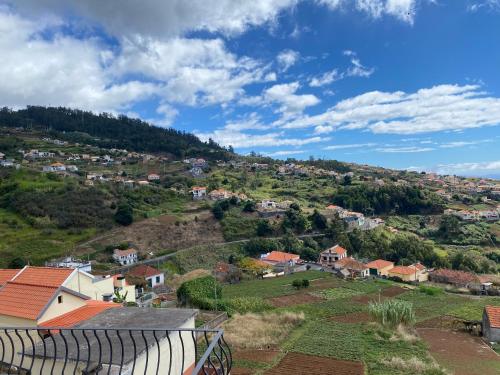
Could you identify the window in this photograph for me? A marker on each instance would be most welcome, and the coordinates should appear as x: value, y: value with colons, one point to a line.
x: 59, y: 299
x: 157, y: 279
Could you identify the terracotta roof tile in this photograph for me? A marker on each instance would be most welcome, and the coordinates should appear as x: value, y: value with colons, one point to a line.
x: 25, y: 301
x: 43, y: 276
x: 402, y: 270
x: 351, y: 263
x: 124, y: 252
x: 143, y: 270
x: 493, y: 313
x: 72, y: 318
x: 7, y: 275
x: 337, y: 249
x: 379, y: 264
x: 279, y: 256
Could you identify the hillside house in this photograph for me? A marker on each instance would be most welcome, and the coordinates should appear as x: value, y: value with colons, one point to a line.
x: 414, y: 272
x: 2, y: 155
x: 350, y: 267
x: 125, y: 257
x: 153, y: 276
x: 279, y: 257
x: 196, y: 172
x: 380, y: 267
x: 54, y: 167
x: 70, y: 262
x: 491, y: 323
x: 153, y: 177
x: 199, y: 192
x: 220, y: 194
x: 328, y: 257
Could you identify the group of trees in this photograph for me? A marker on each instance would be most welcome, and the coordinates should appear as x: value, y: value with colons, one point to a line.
x: 108, y: 131
x: 400, y: 200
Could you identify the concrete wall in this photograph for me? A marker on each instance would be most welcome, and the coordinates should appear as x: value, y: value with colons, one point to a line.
x: 94, y: 288
x: 69, y: 303
x: 490, y: 334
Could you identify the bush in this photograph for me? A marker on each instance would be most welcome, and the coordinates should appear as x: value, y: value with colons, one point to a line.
x: 244, y: 305
x: 392, y: 312
x: 200, y: 292
x: 124, y: 214
x: 430, y: 290
x: 297, y: 283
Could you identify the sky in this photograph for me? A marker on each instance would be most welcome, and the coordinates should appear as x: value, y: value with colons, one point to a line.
x: 406, y: 84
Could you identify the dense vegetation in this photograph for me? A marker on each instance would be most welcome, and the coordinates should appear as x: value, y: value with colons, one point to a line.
x: 108, y: 131
x: 400, y: 200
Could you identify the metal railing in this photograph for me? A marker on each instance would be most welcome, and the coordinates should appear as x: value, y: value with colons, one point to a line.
x: 28, y: 350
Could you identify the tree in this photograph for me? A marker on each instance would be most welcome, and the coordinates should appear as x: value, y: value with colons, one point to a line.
x: 318, y: 220
x: 249, y: 206
x: 17, y: 263
x: 450, y: 226
x: 218, y: 212
x: 124, y: 214
x: 257, y: 246
x: 264, y: 228
x: 347, y: 180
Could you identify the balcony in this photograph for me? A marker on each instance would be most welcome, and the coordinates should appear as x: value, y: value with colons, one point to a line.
x: 28, y: 350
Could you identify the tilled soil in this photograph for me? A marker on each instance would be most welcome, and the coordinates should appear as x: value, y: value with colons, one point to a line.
x: 302, y: 364
x: 461, y: 352
x: 294, y: 299
x: 255, y: 355
x: 356, y: 317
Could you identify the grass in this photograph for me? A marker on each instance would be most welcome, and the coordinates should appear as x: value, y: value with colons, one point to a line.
x: 260, y: 331
x: 237, y: 225
x: 337, y: 293
x: 274, y: 287
x: 205, y: 256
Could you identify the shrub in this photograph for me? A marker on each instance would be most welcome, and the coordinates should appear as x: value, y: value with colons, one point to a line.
x: 430, y: 290
x: 245, y: 305
x: 124, y: 214
x: 392, y: 312
x: 305, y: 283
x: 200, y: 292
x: 297, y: 284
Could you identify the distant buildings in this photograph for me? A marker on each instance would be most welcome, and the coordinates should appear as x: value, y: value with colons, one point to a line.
x: 199, y: 192
x: 335, y: 253
x: 279, y: 257
x: 125, y: 257
x: 152, y: 276
x: 491, y: 323
x: 350, y: 267
x: 414, y: 272
x: 380, y: 267
x: 153, y: 177
x: 70, y: 262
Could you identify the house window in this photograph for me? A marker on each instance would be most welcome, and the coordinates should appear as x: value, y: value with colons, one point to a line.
x: 157, y: 279
x: 59, y: 299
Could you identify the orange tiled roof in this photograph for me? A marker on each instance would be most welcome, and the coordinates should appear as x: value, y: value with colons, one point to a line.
x: 7, y: 275
x: 43, y: 276
x: 337, y: 249
x: 351, y: 263
x: 419, y: 266
x: 403, y: 270
x: 143, y: 270
x: 124, y: 252
x: 72, y: 318
x: 379, y: 264
x: 25, y: 301
x: 493, y: 313
x: 279, y: 256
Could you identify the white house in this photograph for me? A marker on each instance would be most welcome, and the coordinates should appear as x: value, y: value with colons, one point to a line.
x: 153, y: 177
x: 54, y: 167
x: 153, y: 276
x: 125, y: 257
x: 199, y: 192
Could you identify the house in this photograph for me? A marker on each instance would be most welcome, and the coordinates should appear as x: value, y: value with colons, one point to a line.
x: 491, y: 323
x: 220, y: 194
x: 328, y: 257
x: 88, y: 349
x: 354, y: 267
x: 54, y: 167
x: 152, y: 275
x: 2, y: 155
x: 268, y: 204
x: 353, y: 219
x: 70, y: 262
x: 37, y: 294
x: 196, y: 171
x: 125, y: 257
x: 279, y: 257
x: 153, y: 177
x: 414, y: 272
x: 199, y: 192
x: 380, y: 267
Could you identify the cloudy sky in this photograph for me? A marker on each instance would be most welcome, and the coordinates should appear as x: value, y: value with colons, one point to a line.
x: 397, y: 83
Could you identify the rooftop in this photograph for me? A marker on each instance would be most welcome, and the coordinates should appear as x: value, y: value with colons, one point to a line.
x: 43, y: 276
x: 279, y: 256
x: 379, y: 264
x: 144, y: 270
x: 493, y: 313
x: 72, y: 318
x: 7, y: 275
x: 403, y: 270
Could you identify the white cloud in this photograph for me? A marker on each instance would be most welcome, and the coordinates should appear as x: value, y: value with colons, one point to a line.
x: 289, y: 102
x: 410, y: 149
x: 325, y: 78
x: 285, y: 153
x: 458, y: 144
x: 491, y: 5
x: 287, y: 59
x: 164, y: 19
x: 439, y: 108
x: 472, y: 168
x: 403, y: 10
x: 348, y: 146
x: 358, y: 70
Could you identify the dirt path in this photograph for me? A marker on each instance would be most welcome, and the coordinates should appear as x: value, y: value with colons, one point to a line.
x: 461, y: 352
x: 302, y: 364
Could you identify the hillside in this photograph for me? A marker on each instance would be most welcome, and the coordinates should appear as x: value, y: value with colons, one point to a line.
x: 107, y: 131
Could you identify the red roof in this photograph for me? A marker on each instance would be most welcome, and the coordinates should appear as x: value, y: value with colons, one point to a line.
x: 25, y: 301
x: 143, y: 270
x: 419, y: 266
x: 43, y: 276
x: 337, y: 249
x: 351, y: 264
x: 493, y: 313
x: 279, y: 256
x: 403, y: 270
x: 124, y: 252
x: 72, y: 318
x: 379, y: 264
x: 7, y: 275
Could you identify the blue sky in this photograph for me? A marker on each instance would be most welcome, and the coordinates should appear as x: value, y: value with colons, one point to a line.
x: 396, y: 83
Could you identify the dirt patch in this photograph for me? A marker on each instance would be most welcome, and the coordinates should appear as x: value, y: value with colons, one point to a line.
x: 393, y: 291
x: 265, y: 356
x: 356, y: 317
x: 241, y: 371
x: 302, y: 364
x: 163, y: 232
x: 324, y: 283
x: 443, y: 322
x: 461, y: 352
x: 294, y: 299
x: 365, y: 299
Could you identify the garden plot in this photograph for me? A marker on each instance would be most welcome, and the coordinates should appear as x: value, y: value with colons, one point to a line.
x: 302, y: 364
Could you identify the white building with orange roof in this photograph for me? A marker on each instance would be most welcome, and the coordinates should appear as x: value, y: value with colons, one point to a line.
x: 199, y: 192
x: 335, y: 253
x: 380, y: 267
x: 125, y: 257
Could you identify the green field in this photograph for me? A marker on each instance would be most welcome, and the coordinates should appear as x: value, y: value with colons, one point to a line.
x: 366, y: 342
